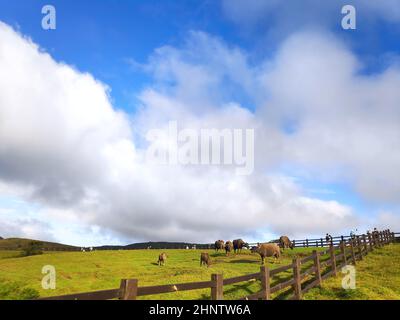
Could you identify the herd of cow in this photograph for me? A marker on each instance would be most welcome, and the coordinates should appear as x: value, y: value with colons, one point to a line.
x: 265, y: 250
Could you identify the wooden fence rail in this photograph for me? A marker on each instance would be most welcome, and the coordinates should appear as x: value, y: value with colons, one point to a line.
x: 323, y: 242
x: 303, y: 274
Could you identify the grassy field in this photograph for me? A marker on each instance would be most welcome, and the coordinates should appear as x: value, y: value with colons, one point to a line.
x: 90, y: 271
x: 377, y: 278
x: 9, y: 254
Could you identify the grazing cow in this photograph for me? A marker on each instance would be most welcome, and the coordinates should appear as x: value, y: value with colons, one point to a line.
x: 266, y: 250
x: 239, y: 244
x: 284, y: 242
x: 162, y: 258
x: 205, y: 259
x: 219, y: 245
x: 228, y: 247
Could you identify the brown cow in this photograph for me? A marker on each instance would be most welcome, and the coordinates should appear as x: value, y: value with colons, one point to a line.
x: 238, y: 244
x: 266, y: 250
x: 219, y: 245
x: 205, y: 259
x: 228, y: 247
x: 162, y: 258
x: 284, y: 242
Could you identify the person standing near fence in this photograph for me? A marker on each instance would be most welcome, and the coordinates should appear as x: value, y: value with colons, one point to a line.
x: 329, y: 239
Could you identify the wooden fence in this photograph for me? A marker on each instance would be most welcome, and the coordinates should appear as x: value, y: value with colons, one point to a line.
x: 323, y: 242
x: 301, y: 275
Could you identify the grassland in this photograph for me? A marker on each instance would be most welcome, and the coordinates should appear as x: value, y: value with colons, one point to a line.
x: 90, y: 271
x: 10, y: 254
x: 377, y: 278
x: 378, y: 274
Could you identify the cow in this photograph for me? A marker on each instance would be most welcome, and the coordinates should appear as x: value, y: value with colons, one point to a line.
x: 239, y: 244
x: 162, y: 258
x: 219, y: 245
x: 228, y: 247
x: 266, y: 250
x: 284, y: 242
x: 205, y: 259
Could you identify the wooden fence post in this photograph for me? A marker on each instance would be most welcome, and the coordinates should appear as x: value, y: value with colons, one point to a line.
x: 359, y: 248
x: 365, y: 243
x: 265, y: 283
x: 217, y: 289
x: 317, y: 266
x: 353, y: 256
x: 307, y: 243
x: 297, y: 278
x: 374, y: 241
x: 333, y: 259
x: 343, y: 251
x: 370, y: 242
x: 128, y: 289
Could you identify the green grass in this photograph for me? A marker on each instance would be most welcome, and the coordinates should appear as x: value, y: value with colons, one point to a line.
x: 6, y: 254
x: 377, y: 278
x: 90, y: 271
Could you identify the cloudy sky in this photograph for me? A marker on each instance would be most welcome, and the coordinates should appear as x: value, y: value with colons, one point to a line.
x: 77, y: 102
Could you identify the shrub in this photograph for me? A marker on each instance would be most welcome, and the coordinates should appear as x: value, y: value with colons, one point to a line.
x: 15, y: 291
x: 32, y: 248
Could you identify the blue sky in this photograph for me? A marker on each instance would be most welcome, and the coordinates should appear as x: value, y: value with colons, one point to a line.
x: 146, y: 51
x: 102, y: 36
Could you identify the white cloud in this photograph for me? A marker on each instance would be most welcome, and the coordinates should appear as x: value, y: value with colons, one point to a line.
x: 24, y: 228
x: 83, y: 160
x: 278, y: 18
x: 387, y: 220
x: 346, y: 123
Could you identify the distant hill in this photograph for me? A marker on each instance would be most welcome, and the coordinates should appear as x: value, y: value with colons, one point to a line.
x: 1, y: 238
x: 19, y: 243
x: 156, y: 245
